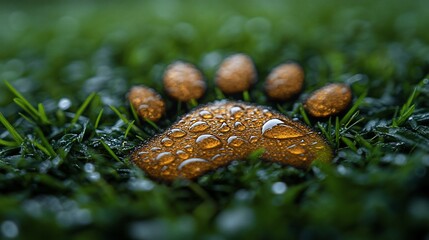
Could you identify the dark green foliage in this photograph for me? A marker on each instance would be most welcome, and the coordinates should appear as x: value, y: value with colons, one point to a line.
x: 66, y: 127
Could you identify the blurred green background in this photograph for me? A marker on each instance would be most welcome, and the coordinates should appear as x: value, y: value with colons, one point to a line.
x: 58, y: 52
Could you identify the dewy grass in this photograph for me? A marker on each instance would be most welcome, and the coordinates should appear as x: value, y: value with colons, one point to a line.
x: 64, y: 170
x: 13, y: 132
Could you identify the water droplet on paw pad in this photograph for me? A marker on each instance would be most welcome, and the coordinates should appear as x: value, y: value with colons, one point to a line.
x: 208, y: 141
x: 198, y: 126
x: 276, y: 128
x: 284, y: 140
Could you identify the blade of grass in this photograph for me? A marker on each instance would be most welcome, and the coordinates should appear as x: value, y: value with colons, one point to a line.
x: 97, y: 121
x: 134, y: 113
x: 27, y: 119
x: 349, y: 143
x: 22, y: 98
x: 304, y: 115
x: 246, y: 96
x: 152, y: 124
x: 363, y: 142
x: 8, y: 143
x: 324, y: 132
x: 42, y: 114
x: 15, y: 135
x: 42, y: 148
x: 353, y: 109
x: 408, y: 108
x: 83, y: 107
x: 110, y: 151
x: 219, y: 93
x: 126, y: 121
x: 45, y: 142
x: 24, y: 106
x: 193, y: 103
x: 128, y: 129
x: 119, y: 114
x: 337, y: 131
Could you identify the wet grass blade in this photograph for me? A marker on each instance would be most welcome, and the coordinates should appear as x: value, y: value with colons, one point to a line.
x: 193, y: 103
x: 304, y: 115
x: 128, y: 129
x: 8, y: 143
x: 24, y: 101
x: 45, y: 142
x: 408, y: 108
x: 21, y: 103
x: 15, y: 135
x: 353, y: 109
x: 246, y: 96
x: 110, y: 151
x: 153, y: 124
x: 97, y: 121
x: 42, y: 114
x: 349, y: 143
x: 126, y: 121
x: 82, y: 108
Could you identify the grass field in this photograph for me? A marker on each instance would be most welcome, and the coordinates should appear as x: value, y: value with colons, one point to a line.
x: 67, y: 129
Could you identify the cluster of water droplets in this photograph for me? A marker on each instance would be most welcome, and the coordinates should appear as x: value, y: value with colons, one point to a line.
x: 214, y: 134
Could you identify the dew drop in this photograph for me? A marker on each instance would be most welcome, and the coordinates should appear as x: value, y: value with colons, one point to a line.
x: 277, y: 129
x: 198, y: 126
x: 155, y: 149
x: 207, y: 141
x: 218, y: 157
x: 167, y: 142
x: 189, y: 161
x: 165, y: 158
x: 253, y: 139
x: 267, y: 113
x: 182, y: 154
x: 189, y: 148
x: 236, y: 111
x: 205, y: 114
x: 235, y: 141
x: 279, y: 188
x: 239, y: 126
x: 176, y: 133
x: 143, y: 154
x: 224, y: 128
x: 296, y: 149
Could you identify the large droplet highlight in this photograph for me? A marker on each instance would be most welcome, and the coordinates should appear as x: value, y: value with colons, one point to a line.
x: 236, y: 112
x: 235, y: 141
x: 165, y: 158
x: 208, y: 141
x: 276, y: 128
x: 198, y: 127
x: 206, y: 114
x: 176, y: 133
x: 191, y: 161
x: 224, y: 128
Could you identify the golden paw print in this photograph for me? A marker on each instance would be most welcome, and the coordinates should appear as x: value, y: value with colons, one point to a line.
x: 217, y: 133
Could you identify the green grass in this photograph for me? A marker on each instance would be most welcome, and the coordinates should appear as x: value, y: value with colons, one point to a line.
x: 64, y: 168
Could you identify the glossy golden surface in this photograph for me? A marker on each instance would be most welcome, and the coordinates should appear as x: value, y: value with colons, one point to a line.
x: 218, y: 133
x: 329, y: 100
x: 285, y: 81
x: 147, y: 103
x: 183, y: 81
x: 236, y: 74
